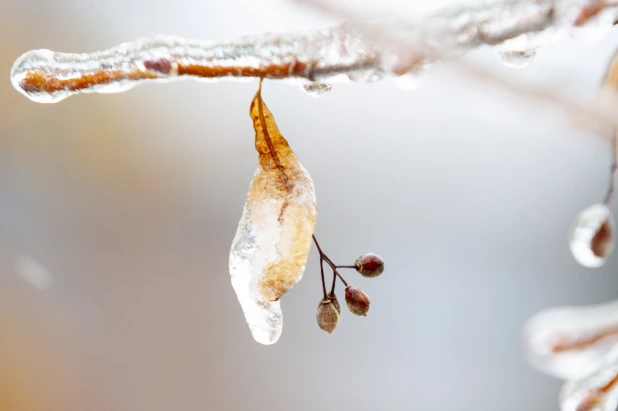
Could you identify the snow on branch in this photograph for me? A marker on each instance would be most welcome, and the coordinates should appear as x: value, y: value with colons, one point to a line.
x: 342, y: 53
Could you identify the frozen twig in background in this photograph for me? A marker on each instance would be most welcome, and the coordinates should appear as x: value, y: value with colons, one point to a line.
x: 594, y: 18
x: 572, y: 342
x: 342, y: 53
x: 579, y: 344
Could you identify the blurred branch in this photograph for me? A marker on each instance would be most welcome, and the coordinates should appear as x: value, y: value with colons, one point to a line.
x: 600, y: 118
x: 342, y: 53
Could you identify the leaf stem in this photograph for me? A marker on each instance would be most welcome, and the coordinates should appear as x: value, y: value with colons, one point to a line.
x: 613, y: 170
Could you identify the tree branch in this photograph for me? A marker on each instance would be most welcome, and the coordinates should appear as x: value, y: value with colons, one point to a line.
x: 338, y: 54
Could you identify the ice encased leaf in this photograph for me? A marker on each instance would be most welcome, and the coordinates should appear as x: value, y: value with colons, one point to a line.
x: 592, y: 236
x: 596, y: 392
x: 572, y: 342
x: 272, y: 243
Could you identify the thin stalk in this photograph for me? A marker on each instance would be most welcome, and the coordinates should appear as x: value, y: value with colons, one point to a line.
x: 323, y: 281
x: 613, y: 169
x: 324, y: 257
x: 332, y: 288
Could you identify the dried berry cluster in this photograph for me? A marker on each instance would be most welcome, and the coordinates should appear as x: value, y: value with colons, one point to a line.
x: 329, y: 310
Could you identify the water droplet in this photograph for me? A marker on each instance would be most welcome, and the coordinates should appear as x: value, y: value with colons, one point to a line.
x: 517, y: 58
x: 592, y: 238
x: 520, y: 51
x: 317, y: 89
x: 406, y: 82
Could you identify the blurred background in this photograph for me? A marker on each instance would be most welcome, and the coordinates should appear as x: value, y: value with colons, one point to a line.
x: 117, y: 213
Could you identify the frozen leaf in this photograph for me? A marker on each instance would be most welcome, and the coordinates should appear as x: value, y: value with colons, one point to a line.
x: 597, y: 392
x: 273, y: 239
x: 572, y: 342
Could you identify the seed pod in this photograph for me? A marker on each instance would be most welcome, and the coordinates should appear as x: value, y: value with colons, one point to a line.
x: 370, y: 265
x: 357, y: 300
x: 333, y: 299
x: 327, y: 316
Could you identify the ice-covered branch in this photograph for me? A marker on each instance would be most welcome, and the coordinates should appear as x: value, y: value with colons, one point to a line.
x: 342, y: 53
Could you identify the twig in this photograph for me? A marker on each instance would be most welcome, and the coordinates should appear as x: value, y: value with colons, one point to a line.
x: 342, y: 53
x: 613, y: 169
x: 597, y: 118
x: 315, y: 240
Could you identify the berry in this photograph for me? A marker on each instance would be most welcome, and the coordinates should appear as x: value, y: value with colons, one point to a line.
x: 327, y: 316
x: 357, y: 300
x: 370, y: 265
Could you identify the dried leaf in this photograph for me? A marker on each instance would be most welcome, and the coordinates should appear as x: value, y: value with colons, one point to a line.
x: 273, y: 239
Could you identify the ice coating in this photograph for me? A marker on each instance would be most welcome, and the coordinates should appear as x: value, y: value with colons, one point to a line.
x: 47, y: 77
x: 264, y: 318
x: 572, y: 342
x: 339, y: 54
x: 592, y: 236
x: 272, y: 243
x: 596, y: 392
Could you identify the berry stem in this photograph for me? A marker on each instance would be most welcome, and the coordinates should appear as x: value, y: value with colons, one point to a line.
x: 323, y: 281
x: 332, y: 288
x: 346, y: 266
x: 315, y: 240
x: 341, y: 278
x: 324, y: 257
x: 321, y: 266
